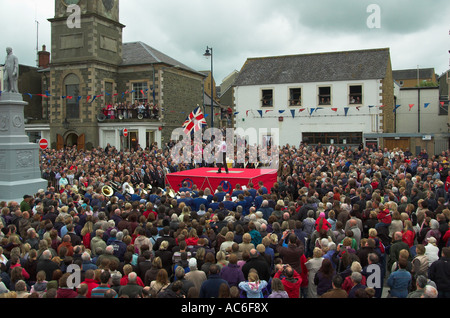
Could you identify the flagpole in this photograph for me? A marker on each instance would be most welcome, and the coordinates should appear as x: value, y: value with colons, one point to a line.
x: 209, y: 53
x: 418, y: 98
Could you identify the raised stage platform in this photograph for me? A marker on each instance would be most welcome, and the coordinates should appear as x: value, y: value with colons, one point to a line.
x: 209, y: 178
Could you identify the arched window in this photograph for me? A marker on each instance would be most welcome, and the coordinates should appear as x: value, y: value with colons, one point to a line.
x: 72, y: 91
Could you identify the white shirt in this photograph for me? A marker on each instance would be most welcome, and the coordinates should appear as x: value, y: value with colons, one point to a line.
x: 223, y: 147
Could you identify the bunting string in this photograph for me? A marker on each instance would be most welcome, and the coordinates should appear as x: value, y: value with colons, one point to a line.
x: 311, y: 111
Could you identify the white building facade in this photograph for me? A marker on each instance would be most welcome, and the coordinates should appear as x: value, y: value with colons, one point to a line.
x: 329, y: 106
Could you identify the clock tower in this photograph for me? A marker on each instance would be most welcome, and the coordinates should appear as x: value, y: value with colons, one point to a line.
x: 86, y: 53
x: 96, y: 36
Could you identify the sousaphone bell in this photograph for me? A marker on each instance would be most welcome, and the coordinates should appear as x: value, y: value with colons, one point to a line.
x: 107, y: 191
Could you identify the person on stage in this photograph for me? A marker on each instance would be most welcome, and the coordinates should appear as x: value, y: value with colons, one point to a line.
x: 223, y: 151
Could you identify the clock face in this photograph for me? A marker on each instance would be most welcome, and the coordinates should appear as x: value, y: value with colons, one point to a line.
x: 108, y: 4
x: 70, y: 2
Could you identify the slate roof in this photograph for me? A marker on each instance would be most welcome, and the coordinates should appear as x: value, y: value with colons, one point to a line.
x: 139, y: 53
x: 412, y: 74
x: 317, y: 67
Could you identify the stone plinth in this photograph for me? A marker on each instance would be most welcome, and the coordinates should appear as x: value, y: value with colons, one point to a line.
x: 19, y: 159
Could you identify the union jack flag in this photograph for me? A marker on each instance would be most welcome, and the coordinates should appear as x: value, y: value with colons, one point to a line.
x: 195, y: 121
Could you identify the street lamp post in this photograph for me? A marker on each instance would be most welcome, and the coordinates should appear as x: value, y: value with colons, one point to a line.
x: 209, y: 53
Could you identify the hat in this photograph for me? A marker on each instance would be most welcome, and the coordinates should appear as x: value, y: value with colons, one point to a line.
x: 431, y: 239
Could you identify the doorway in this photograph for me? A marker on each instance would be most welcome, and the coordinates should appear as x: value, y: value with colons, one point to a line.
x: 71, y: 140
x: 391, y: 143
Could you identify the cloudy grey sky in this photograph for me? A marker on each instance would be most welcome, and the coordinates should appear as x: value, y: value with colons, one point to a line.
x: 416, y: 31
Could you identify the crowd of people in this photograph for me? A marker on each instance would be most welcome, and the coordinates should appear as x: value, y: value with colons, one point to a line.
x: 338, y: 223
x: 123, y: 110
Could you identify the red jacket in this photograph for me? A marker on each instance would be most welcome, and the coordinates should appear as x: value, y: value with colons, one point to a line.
x: 325, y: 224
x: 408, y: 237
x: 385, y: 216
x: 192, y: 241
x: 66, y: 293
x: 24, y: 272
x: 347, y: 284
x: 291, y: 286
x: 91, y: 285
x: 124, y: 281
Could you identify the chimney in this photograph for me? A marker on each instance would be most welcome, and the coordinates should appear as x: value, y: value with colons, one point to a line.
x: 44, y: 58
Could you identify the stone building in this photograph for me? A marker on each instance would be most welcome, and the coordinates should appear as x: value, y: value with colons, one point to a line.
x: 91, y: 68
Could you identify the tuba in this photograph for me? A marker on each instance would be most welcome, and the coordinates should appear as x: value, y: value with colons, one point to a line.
x: 129, y: 189
x: 107, y: 191
x: 171, y: 193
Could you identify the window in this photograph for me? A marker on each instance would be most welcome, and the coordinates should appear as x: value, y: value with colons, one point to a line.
x: 138, y: 88
x: 337, y: 138
x: 355, y: 96
x: 325, y: 95
x: 267, y: 98
x: 295, y: 97
x: 72, y: 90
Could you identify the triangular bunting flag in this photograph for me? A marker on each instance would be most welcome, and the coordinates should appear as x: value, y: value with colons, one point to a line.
x: 260, y: 113
x: 293, y: 113
x: 426, y: 105
x: 396, y: 107
x: 411, y: 106
x: 346, y: 111
x: 311, y: 110
x: 334, y: 109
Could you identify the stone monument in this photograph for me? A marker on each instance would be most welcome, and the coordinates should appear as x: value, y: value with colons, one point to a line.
x: 19, y: 159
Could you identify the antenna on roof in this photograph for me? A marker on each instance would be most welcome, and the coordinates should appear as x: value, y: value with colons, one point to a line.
x: 37, y: 42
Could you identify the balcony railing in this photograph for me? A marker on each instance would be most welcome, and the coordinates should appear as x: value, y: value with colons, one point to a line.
x: 129, y: 114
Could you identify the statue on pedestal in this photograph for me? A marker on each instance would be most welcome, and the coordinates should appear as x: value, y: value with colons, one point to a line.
x: 11, y: 72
